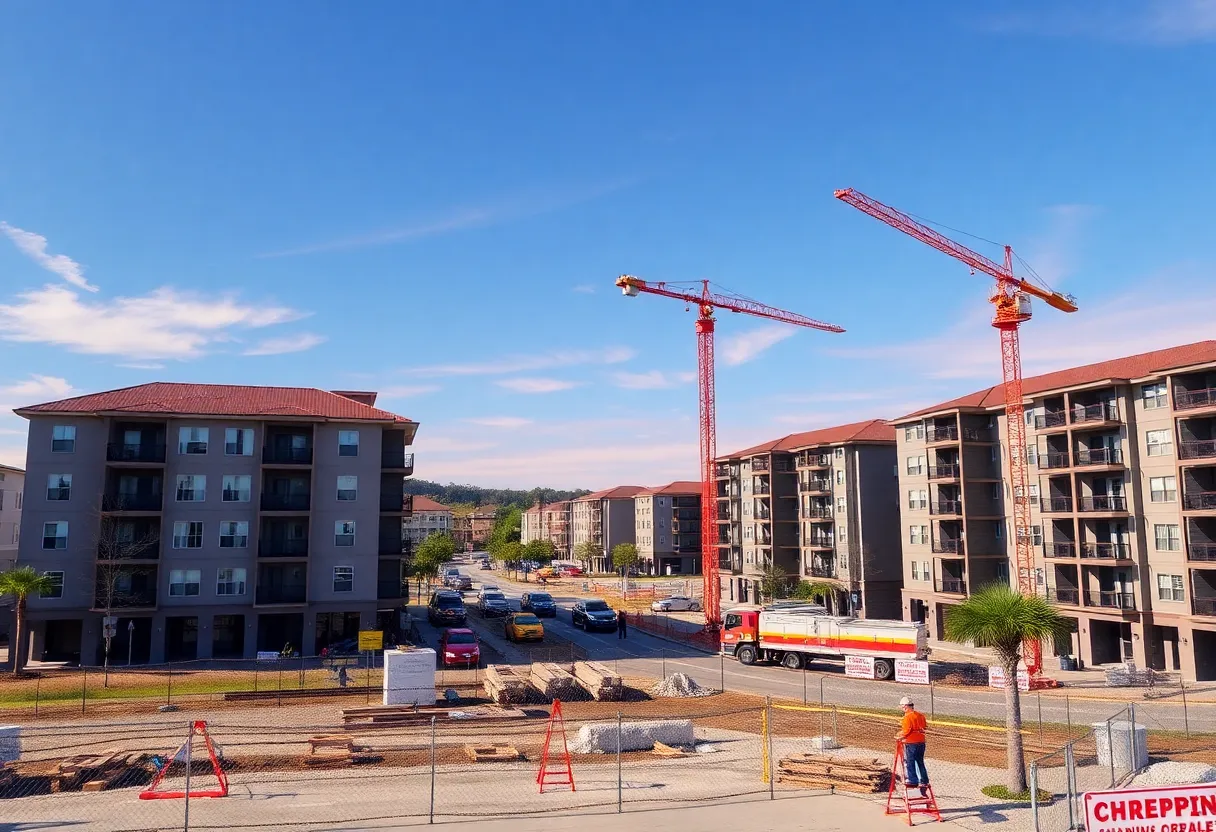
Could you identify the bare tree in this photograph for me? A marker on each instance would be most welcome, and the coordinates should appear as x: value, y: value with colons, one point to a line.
x: 120, y: 540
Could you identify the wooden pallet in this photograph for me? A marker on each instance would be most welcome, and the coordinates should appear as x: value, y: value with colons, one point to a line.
x: 93, y: 772
x: 850, y: 775
x: 492, y: 753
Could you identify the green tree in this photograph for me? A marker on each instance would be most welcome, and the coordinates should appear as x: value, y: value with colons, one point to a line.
x: 506, y: 529
x: 1003, y: 619
x: 509, y: 554
x: 20, y: 583
x: 431, y: 555
x: 541, y: 551
x: 774, y: 582
x: 585, y: 552
x: 624, y: 556
x: 812, y: 590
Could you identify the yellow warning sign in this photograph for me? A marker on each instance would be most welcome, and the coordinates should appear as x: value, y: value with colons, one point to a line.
x: 371, y: 640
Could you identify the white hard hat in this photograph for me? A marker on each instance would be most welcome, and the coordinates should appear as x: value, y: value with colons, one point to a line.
x: 905, y: 701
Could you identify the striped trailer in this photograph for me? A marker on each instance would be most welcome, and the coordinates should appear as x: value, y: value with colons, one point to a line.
x: 793, y: 636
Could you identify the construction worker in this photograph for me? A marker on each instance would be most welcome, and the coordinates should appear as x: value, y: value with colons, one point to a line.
x: 622, y: 626
x: 912, y: 736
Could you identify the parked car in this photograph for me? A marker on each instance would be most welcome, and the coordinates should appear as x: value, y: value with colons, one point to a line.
x: 493, y: 605
x: 593, y: 615
x: 524, y: 626
x: 446, y: 608
x: 458, y: 646
x: 462, y: 583
x: 540, y: 603
x: 676, y: 603
x: 571, y: 571
x: 485, y: 565
x: 346, y: 647
x: 546, y: 572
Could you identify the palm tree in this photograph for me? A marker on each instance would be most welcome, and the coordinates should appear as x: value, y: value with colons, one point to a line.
x: 21, y: 582
x: 1001, y: 618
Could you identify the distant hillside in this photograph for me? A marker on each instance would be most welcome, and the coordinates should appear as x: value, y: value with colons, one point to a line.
x: 453, y: 494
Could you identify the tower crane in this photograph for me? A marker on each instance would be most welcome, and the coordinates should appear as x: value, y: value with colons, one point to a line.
x: 706, y: 302
x: 1011, y: 296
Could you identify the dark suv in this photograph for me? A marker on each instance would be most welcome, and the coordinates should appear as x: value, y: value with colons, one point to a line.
x: 446, y: 609
x: 538, y: 603
x: 593, y: 615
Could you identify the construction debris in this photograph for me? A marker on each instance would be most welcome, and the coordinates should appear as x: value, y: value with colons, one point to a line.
x: 1170, y: 773
x: 94, y: 772
x: 599, y: 681
x: 663, y: 750
x: 492, y: 753
x: 334, y: 750
x: 555, y: 682
x: 861, y: 776
x: 679, y: 685
x: 506, y: 685
x: 601, y: 737
x: 398, y: 716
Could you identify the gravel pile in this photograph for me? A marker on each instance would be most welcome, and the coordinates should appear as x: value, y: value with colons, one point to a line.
x: 1176, y: 774
x: 679, y: 685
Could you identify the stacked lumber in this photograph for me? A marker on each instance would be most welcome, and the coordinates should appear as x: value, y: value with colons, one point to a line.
x: 599, y: 681
x: 861, y: 776
x: 492, y: 753
x: 407, y: 716
x: 93, y: 772
x: 555, y: 681
x: 506, y: 685
x: 335, y: 750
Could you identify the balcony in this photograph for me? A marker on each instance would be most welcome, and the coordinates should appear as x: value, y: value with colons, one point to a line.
x: 1054, y: 459
x: 978, y: 435
x: 143, y: 548
x: 819, y: 542
x: 1199, y: 501
x: 286, y: 455
x: 285, y: 502
x: 397, y: 459
x: 816, y: 513
x: 134, y: 452
x: 821, y: 568
x: 1059, y: 549
x: 132, y: 502
x: 392, y: 590
x: 125, y: 588
x: 1104, y: 502
x: 816, y: 486
x: 783, y: 465
x: 761, y: 488
x: 949, y: 546
x: 1203, y: 606
x: 1055, y: 504
x: 403, y: 503
x: 1065, y: 596
x: 951, y: 586
x: 1051, y: 419
x: 1099, y: 456
x: 1105, y: 551
x: 941, y: 433
x: 760, y: 464
x: 1193, y: 399
x: 721, y: 470
x: 281, y: 547
x: 810, y: 460
x: 944, y: 472
x: 273, y: 595
x: 1200, y: 449
x: 1099, y: 413
x: 1110, y: 599
x: 393, y: 545
x: 951, y: 507
x: 1201, y: 551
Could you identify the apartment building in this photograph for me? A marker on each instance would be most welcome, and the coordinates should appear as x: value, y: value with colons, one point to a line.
x: 427, y: 518
x: 551, y: 521
x: 12, y: 486
x: 667, y: 528
x: 604, y: 519
x: 214, y: 521
x: 821, y: 506
x: 1122, y: 492
x: 471, y: 529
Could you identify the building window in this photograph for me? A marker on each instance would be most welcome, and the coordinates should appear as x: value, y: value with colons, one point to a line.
x: 230, y: 582
x: 1000, y: 531
x: 188, y: 534
x: 918, y: 534
x: 192, y: 440
x: 1002, y: 571
x: 1028, y: 416
x: 916, y: 465
x: 348, y: 488
x: 191, y: 488
x: 1036, y: 537
x: 184, y: 583
x: 1166, y: 537
x: 234, y: 534
x: 1032, y: 455
x: 58, y: 487
x: 916, y: 570
x: 925, y: 574
x: 1170, y: 588
x: 63, y: 439
x: 55, y: 535
x: 344, y: 533
x: 344, y: 579
x: 839, y: 505
x: 55, y: 590
x: 238, y: 442
x: 840, y: 453
x: 348, y: 443
x: 1153, y: 395
x: 1160, y: 442
x: 916, y: 431
x: 842, y: 533
x: 1163, y: 489
x: 839, y: 476
x: 238, y: 488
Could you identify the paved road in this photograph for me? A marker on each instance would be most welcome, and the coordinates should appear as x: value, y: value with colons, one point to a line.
x: 646, y: 655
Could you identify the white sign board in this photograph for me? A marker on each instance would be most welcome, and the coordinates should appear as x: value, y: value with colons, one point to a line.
x: 911, y: 671
x: 1160, y: 809
x: 109, y: 626
x: 859, y: 667
x: 996, y: 679
x: 268, y: 655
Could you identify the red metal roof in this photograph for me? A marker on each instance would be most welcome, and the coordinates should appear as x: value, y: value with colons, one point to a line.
x: 620, y: 492
x: 677, y: 487
x: 171, y: 398
x: 427, y: 504
x: 872, y: 430
x: 1117, y: 369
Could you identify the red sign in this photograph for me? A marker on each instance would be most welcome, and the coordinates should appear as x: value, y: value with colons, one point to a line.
x: 1159, y: 809
x: 996, y: 678
x: 859, y: 667
x: 911, y: 672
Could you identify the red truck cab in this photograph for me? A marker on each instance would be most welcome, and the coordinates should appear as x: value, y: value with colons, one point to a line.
x: 739, y: 626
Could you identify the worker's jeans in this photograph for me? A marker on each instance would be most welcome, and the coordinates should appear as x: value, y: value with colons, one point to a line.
x: 914, y: 758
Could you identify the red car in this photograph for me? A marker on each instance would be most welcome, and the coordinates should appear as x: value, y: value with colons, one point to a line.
x: 458, y: 646
x: 570, y: 572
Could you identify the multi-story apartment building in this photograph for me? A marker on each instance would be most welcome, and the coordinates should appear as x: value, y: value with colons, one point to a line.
x: 551, y: 521
x: 667, y: 526
x: 12, y: 486
x: 214, y: 521
x: 604, y: 519
x: 819, y: 505
x: 427, y: 518
x: 1122, y: 491
x: 471, y: 529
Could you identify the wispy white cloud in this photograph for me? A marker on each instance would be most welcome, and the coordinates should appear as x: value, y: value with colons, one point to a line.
x: 141, y: 365
x: 405, y: 391
x: 651, y: 380
x: 1053, y: 253
x: 584, y: 289
x: 746, y: 346
x: 34, y: 246
x: 38, y: 388
x: 165, y: 323
x: 536, y: 385
x: 1150, y: 22
x: 508, y: 422
x: 527, y: 363
x: 287, y: 343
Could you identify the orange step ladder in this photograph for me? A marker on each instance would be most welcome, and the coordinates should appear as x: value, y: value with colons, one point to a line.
x: 185, y: 754
x: 561, y: 775
x: 908, y: 804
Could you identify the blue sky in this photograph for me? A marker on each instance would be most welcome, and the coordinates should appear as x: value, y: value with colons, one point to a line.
x: 433, y: 200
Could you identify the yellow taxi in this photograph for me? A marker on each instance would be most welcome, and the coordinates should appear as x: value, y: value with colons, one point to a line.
x: 524, y: 626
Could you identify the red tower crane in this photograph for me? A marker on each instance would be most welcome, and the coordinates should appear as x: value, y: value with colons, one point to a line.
x: 706, y: 302
x: 1011, y: 297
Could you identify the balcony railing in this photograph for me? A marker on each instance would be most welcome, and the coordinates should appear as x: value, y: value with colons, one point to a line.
x: 722, y: 469
x: 285, y: 502
x: 1065, y: 596
x: 1203, y: 606
x: 1105, y: 551
x: 816, y: 513
x: 144, y: 599
x: 282, y: 595
x: 112, y: 549
x: 821, y: 570
x: 978, y: 435
x: 944, y: 472
x: 1197, y: 449
x: 1059, y: 549
x: 1103, y: 412
x: 816, y: 486
x: 1201, y: 501
x: 1201, y: 551
x: 274, y: 547
x: 1099, y: 456
x: 942, y: 433
x: 954, y: 586
x: 760, y: 464
x: 761, y: 488
x: 1191, y: 399
x: 387, y: 590
x: 806, y: 460
x: 1110, y: 599
x: 398, y: 459
x: 1103, y: 502
x: 1054, y: 459
x: 1055, y: 504
x: 946, y: 507
x: 396, y: 502
x: 783, y: 465
x: 1051, y: 419
x: 131, y: 502
x: 135, y: 452
x: 390, y: 546
x: 272, y: 455
x: 819, y: 542
x: 948, y: 546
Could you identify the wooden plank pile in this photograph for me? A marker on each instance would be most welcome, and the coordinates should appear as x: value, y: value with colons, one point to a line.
x: 407, y: 716
x: 506, y: 685
x: 492, y: 753
x: 93, y: 772
x: 555, y: 682
x: 599, y: 681
x: 861, y: 776
x: 335, y: 750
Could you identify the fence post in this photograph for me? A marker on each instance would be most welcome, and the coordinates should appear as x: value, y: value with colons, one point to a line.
x: 84, y: 684
x: 722, y: 667
x: 1133, y: 763
x: 1039, y: 698
x: 431, y: 816
x: 620, y: 783
x: 280, y: 694
x: 1070, y: 779
x: 835, y: 726
x: 1068, y: 715
x: 37, y: 692
x: 1034, y: 794
x: 255, y: 676
x: 804, y: 684
x: 1110, y: 752
x: 772, y: 763
x: 1186, y: 722
x: 932, y: 706
x: 189, y: 766
x: 368, y: 698
x: 169, y: 689
x: 764, y: 761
